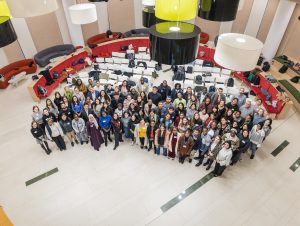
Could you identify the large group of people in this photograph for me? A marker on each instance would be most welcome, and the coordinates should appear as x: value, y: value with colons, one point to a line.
x: 166, y: 120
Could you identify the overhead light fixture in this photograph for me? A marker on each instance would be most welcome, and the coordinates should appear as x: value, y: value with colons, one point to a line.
x: 176, y: 10
x: 218, y: 10
x: 174, y: 43
x: 83, y: 13
x: 7, y: 31
x: 149, y: 18
x: 31, y: 8
x: 238, y: 52
x: 98, y: 0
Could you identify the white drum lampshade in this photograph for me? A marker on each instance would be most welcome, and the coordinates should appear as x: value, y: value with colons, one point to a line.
x: 237, y: 52
x: 148, y: 2
x: 30, y: 8
x: 83, y: 13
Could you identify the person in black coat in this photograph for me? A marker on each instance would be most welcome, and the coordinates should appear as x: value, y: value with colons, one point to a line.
x: 117, y: 99
x: 155, y: 96
x: 244, y: 146
x: 164, y: 90
x: 39, y: 135
x: 47, y: 115
x: 58, y: 100
x: 86, y: 111
x: 151, y: 134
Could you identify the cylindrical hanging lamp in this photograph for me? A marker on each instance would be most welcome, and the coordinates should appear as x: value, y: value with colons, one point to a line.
x: 83, y: 13
x: 237, y: 52
x: 176, y: 10
x: 7, y: 31
x: 174, y: 43
x: 30, y: 8
x: 148, y: 2
x: 149, y: 18
x: 218, y: 10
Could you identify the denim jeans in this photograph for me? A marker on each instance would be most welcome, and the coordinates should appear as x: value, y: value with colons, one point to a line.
x: 126, y: 131
x: 157, y: 150
x: 253, y: 148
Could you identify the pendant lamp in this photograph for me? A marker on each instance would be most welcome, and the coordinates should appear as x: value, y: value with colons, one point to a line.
x: 174, y: 43
x: 30, y: 8
x: 149, y: 18
x: 7, y: 31
x: 98, y: 0
x: 218, y: 10
x: 83, y: 13
x: 4, y: 10
x: 176, y: 10
x: 238, y: 52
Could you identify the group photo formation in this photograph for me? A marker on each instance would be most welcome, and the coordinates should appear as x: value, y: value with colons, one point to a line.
x: 165, y: 120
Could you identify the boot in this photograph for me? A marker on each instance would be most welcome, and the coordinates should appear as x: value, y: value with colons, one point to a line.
x: 48, y: 149
x: 206, y: 163
x: 209, y: 165
x: 72, y: 144
x: 76, y: 141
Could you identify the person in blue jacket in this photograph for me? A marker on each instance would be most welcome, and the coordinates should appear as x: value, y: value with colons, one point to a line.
x: 76, y: 105
x: 105, y: 125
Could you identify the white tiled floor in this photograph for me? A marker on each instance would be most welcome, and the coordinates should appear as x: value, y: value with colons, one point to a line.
x: 128, y: 186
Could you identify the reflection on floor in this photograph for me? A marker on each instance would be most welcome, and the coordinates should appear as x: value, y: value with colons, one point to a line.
x: 129, y: 186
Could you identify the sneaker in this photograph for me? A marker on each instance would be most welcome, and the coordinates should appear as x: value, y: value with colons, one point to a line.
x: 208, y: 167
x: 72, y: 144
x: 198, y: 164
x: 76, y: 141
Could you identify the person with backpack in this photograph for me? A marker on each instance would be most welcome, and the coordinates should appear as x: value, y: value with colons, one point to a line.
x: 55, y: 133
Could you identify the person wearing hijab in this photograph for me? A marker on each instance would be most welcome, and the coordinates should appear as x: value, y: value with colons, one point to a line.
x: 93, y: 132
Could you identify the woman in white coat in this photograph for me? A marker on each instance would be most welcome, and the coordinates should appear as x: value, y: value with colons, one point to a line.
x: 223, y: 159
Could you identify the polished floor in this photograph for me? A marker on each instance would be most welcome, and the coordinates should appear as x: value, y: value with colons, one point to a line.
x: 129, y: 186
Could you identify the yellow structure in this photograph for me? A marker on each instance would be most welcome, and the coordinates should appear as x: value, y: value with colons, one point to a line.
x: 4, y: 220
x: 4, y: 10
x: 176, y: 10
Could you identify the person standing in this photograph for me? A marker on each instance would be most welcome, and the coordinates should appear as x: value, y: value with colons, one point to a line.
x: 243, y: 147
x: 155, y: 96
x: 79, y: 127
x: 125, y: 121
x: 117, y: 127
x: 105, y: 125
x: 38, y: 133
x: 151, y: 135
x: 213, y: 151
x: 173, y: 143
x: 66, y: 125
x: 140, y: 134
x: 161, y: 140
x: 205, y: 143
x: 132, y: 124
x: 55, y: 133
x: 223, y: 159
x: 94, y: 133
x: 142, y: 86
x: 37, y: 116
x: 257, y: 135
x: 185, y: 146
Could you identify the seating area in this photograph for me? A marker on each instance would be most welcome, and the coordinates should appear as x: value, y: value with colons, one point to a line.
x: 27, y: 65
x: 66, y: 65
x: 101, y: 38
x: 43, y: 57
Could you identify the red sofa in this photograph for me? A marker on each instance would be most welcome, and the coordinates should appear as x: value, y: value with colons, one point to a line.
x: 100, y: 38
x: 60, y: 68
x: 15, y: 68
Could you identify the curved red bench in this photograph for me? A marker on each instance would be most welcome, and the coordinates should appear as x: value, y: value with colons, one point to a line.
x: 204, y: 37
x: 59, y: 68
x: 101, y: 38
x: 15, y: 68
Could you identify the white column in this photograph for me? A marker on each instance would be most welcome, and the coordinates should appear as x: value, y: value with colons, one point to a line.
x: 24, y: 37
x: 74, y: 29
x: 225, y: 27
x: 103, y: 20
x: 62, y: 23
x: 138, y: 13
x: 255, y: 18
x: 3, y: 58
x: 279, y: 24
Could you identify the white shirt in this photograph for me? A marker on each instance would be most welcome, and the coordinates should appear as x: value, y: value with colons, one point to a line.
x: 224, y: 156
